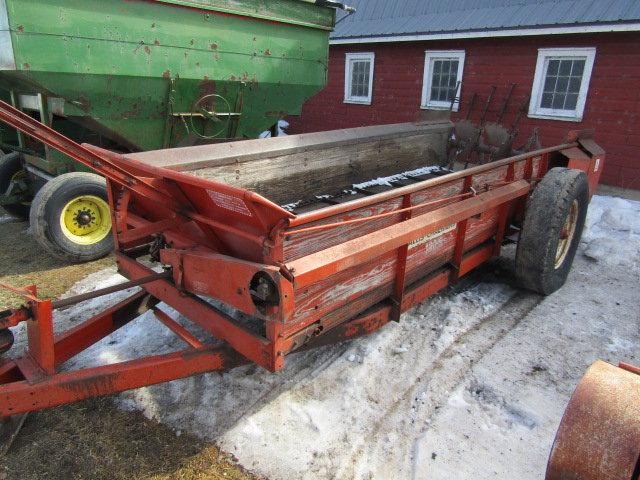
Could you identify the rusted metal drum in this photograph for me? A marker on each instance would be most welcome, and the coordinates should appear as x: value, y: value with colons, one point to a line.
x: 599, y: 436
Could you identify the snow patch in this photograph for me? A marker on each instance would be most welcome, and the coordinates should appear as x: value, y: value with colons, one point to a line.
x: 399, y: 176
x: 612, y: 231
x: 291, y: 206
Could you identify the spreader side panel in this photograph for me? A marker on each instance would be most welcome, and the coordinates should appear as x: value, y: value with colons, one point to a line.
x: 424, y: 255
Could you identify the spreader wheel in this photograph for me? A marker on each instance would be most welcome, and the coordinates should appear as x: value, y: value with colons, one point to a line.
x: 551, y: 230
x: 14, y: 183
x: 70, y: 217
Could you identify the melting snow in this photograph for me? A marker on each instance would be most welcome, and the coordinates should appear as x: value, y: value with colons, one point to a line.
x: 612, y: 231
x: 399, y: 176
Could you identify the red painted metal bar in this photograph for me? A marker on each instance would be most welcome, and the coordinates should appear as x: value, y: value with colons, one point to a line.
x: 21, y: 397
x: 404, y: 210
x: 629, y: 368
x: 215, y: 322
x: 503, y: 213
x: 327, y: 262
x: 131, y: 235
x: 82, y: 336
x: 26, y: 124
x: 258, y: 240
x: 475, y: 258
x: 178, y: 329
x: 461, y: 233
x: 118, y: 198
x: 543, y: 167
x: 425, y: 289
x: 357, y: 327
x: 401, y: 266
x: 40, y: 336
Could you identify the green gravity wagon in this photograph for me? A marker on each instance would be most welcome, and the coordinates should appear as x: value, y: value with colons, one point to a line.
x: 138, y: 75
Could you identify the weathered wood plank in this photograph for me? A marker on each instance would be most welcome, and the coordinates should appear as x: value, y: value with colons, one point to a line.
x: 300, y: 176
x: 203, y: 156
x: 298, y: 167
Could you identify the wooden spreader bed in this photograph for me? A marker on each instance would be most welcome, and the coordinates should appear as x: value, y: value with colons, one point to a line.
x: 203, y: 229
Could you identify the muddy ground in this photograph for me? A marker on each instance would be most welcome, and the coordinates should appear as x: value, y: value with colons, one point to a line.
x: 23, y: 262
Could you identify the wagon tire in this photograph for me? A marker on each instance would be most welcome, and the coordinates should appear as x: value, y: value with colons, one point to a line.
x: 553, y: 223
x: 70, y: 217
x: 11, y: 167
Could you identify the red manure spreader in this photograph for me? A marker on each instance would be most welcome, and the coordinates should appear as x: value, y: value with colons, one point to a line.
x: 276, y: 245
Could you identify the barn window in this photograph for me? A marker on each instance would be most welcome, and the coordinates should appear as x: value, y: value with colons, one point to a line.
x: 442, y: 73
x: 561, y: 83
x: 358, y: 78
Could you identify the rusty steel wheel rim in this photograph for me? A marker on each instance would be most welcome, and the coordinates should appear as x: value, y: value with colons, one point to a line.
x: 567, y: 233
x: 599, y: 435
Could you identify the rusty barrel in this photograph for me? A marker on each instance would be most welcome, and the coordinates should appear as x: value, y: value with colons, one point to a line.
x: 599, y: 435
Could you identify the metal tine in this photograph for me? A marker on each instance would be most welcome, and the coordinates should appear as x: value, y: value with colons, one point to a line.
x: 481, y: 126
x: 505, y: 104
x: 487, y: 104
x: 472, y: 102
x: 454, y: 98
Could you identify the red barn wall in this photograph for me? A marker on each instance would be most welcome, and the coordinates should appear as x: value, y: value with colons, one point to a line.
x: 612, y: 107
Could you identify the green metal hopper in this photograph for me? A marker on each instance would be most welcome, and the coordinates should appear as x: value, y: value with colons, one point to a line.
x: 135, y: 75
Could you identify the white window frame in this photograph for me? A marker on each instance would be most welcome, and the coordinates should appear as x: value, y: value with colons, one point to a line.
x: 546, y: 54
x: 427, y: 79
x: 349, y: 59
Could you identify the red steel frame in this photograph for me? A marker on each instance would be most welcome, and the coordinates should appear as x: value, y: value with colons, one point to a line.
x: 306, y: 280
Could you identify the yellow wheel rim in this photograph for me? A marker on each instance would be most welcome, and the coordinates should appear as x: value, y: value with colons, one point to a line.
x: 567, y: 233
x: 86, y: 220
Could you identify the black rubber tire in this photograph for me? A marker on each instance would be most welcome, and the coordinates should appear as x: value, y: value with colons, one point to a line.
x: 47, y: 207
x: 546, y: 213
x: 10, y: 164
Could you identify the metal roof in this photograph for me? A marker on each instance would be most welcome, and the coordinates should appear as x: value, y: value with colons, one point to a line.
x: 394, y: 18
